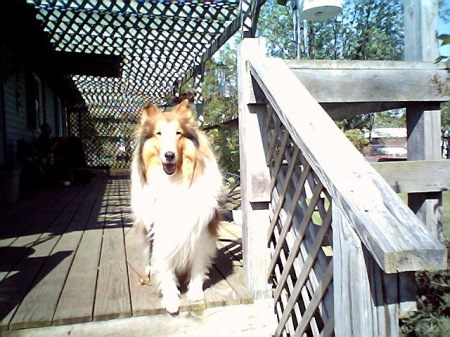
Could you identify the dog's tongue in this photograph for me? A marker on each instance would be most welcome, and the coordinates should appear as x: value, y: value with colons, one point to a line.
x: 169, y: 168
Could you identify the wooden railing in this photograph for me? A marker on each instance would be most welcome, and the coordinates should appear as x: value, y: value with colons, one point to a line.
x: 341, y: 244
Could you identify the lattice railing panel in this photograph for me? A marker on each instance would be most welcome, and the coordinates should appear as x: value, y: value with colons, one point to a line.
x: 107, y: 139
x: 300, y: 239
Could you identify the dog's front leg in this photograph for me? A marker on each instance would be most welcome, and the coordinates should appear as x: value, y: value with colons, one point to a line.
x: 200, y: 265
x: 169, y: 291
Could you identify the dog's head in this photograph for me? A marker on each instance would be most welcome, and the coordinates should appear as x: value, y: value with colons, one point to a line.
x: 167, y: 139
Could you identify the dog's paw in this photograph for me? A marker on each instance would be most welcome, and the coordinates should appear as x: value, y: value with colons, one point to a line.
x: 171, y: 303
x: 196, y: 294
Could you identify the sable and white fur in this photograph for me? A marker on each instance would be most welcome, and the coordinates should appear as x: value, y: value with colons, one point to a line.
x: 175, y: 190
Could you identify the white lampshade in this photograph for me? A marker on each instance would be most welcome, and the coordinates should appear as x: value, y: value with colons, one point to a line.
x: 320, y: 10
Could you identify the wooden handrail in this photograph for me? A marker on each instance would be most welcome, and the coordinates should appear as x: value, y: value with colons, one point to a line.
x: 395, y: 237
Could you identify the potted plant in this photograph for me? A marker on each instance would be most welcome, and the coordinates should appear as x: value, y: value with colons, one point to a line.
x: 9, y: 183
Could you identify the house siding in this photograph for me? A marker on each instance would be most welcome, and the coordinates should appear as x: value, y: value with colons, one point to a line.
x: 16, y: 113
x: 15, y: 108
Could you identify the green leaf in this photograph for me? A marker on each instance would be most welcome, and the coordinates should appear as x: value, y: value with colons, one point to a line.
x: 440, y: 58
x: 445, y: 38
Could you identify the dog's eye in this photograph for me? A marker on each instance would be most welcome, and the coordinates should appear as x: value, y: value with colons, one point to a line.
x: 178, y: 133
x: 158, y: 133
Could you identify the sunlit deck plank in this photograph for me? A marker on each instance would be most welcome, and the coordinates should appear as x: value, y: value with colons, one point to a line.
x: 112, y: 299
x: 77, y: 298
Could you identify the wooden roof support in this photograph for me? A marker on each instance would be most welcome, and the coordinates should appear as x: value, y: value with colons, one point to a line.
x: 246, y: 21
x: 161, y: 43
x: 255, y: 176
x: 348, y: 88
x: 90, y: 64
x: 198, y: 87
x: 250, y: 14
x: 423, y: 124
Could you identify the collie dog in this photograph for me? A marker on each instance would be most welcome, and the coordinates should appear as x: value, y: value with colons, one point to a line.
x: 176, y: 187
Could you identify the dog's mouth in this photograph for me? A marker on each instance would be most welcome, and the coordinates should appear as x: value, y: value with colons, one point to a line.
x: 169, y: 168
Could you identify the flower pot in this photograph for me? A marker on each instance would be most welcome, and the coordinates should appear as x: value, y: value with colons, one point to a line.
x: 9, y: 186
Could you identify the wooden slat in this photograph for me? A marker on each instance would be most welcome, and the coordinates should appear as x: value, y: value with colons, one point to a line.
x: 255, y: 176
x: 15, y: 249
x: 145, y: 299
x: 303, y: 276
x: 232, y: 272
x: 360, y: 295
x: 363, y: 65
x: 416, y: 176
x: 48, y: 289
x: 390, y: 81
x: 305, y: 221
x: 77, y: 298
x: 315, y: 300
x: 392, y: 233
x: 283, y: 192
x: 31, y: 313
x: 278, y: 158
x: 112, y: 299
x: 34, y: 267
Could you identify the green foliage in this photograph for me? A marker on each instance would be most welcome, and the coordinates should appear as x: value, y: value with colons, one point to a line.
x: 445, y: 115
x: 357, y: 139
x: 433, y: 316
x: 220, y: 105
x: 276, y: 26
x: 390, y: 119
x: 366, y: 30
x: 226, y: 146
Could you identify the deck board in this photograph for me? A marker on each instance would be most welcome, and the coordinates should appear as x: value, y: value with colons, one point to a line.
x: 51, y: 277
x: 71, y: 255
x: 77, y: 298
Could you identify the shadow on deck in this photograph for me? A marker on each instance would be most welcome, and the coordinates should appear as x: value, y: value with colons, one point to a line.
x: 71, y: 255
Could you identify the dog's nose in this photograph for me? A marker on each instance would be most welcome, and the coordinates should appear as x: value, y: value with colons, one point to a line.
x: 169, y: 156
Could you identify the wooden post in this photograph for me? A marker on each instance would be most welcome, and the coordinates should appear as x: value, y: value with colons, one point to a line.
x: 198, y: 85
x: 365, y: 298
x: 422, y: 122
x: 255, y: 179
x: 3, y: 137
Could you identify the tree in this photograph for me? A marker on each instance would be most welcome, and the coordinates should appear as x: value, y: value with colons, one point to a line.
x: 366, y: 30
x: 220, y: 106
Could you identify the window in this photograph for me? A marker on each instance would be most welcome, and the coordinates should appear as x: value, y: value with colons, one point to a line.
x: 35, y: 102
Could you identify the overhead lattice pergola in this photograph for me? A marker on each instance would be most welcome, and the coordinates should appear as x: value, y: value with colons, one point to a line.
x: 123, y: 53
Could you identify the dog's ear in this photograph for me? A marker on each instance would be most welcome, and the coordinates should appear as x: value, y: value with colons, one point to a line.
x: 149, y: 111
x: 184, y: 109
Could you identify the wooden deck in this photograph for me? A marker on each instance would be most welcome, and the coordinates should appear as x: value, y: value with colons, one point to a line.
x: 71, y: 255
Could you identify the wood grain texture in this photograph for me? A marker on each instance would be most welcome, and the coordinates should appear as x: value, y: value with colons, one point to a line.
x: 421, y: 21
x: 373, y: 85
x: 112, y: 299
x: 416, y: 176
x: 365, y: 298
x: 423, y: 124
x: 78, y: 296
x: 390, y: 231
x: 32, y: 282
x: 255, y: 177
